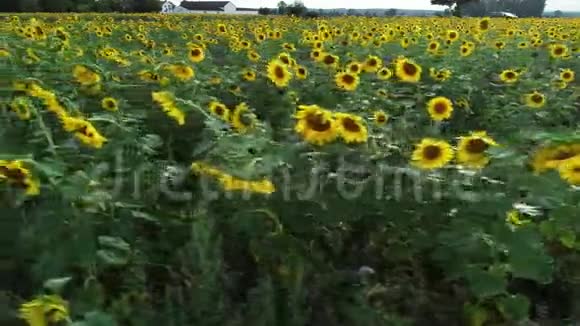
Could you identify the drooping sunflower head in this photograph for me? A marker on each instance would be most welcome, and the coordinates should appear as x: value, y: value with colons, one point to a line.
x: 347, y: 81
x: 384, y: 73
x: 278, y: 73
x: 472, y: 148
x: 249, y: 75
x: 181, y: 72
x: 440, y: 108
x: 351, y: 128
x: 432, y: 154
x: 109, y: 104
x: 242, y: 119
x: 551, y: 157
x: 408, y: 71
x: 315, y: 124
x: 509, y: 76
x: 535, y: 100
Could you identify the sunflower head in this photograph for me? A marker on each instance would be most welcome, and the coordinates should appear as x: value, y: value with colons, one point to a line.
x: 535, y: 100
x: 509, y: 76
x: 567, y: 75
x: 315, y: 124
x: 109, y: 104
x: 570, y: 170
x: 220, y: 110
x: 408, y: 71
x: 351, y: 128
x: 278, y: 73
x: 380, y: 117
x: 196, y: 54
x: 432, y: 154
x: 440, y: 108
x: 242, y: 119
x: 347, y: 81
x: 472, y: 148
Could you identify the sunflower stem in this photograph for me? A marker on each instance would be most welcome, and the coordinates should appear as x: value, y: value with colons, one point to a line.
x: 46, y: 133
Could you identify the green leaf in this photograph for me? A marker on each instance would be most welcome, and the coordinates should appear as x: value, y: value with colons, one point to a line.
x: 114, y: 243
x: 485, y: 284
x: 568, y: 238
x: 112, y: 258
x: 56, y: 284
x: 514, y: 307
x: 96, y: 318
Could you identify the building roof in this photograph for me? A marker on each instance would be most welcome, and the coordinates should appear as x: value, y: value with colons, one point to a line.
x: 204, y: 5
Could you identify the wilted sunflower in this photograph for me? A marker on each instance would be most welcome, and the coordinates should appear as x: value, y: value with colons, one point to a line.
x: 242, y: 119
x: 278, y: 73
x: 567, y: 75
x: 110, y: 104
x: 535, y: 100
x: 196, y: 54
x: 509, y: 76
x: 408, y: 71
x: 220, y: 110
x: 315, y: 124
x: 570, y: 170
x: 346, y: 81
x: 440, y: 108
x: 351, y: 128
x: 380, y: 117
x: 432, y: 154
x: 471, y: 149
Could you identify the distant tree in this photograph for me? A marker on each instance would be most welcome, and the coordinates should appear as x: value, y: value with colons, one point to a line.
x: 56, y: 5
x: 391, y: 12
x: 282, y: 8
x: 108, y: 6
x: 10, y: 6
x: 144, y: 6
x: 297, y: 9
x: 558, y: 13
x: 351, y: 12
x: 264, y: 11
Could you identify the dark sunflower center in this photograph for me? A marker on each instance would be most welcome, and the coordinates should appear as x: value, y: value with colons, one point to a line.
x: 464, y: 50
x: 195, y: 52
x: 576, y: 169
x: 354, y: 68
x: 350, y: 125
x: 381, y: 118
x: 219, y: 111
x: 510, y: 75
x: 279, y: 72
x: 432, y: 46
x: 452, y: 35
x: 372, y: 62
x: 285, y: 60
x: 329, y: 60
x: 476, y: 146
x: 559, y: 51
x: 567, y: 75
x: 440, y: 107
x: 110, y: 104
x: 484, y: 24
x: 409, y: 69
x: 432, y: 152
x: 348, y: 79
x: 564, y: 155
x: 301, y: 71
x: 537, y: 98
x: 316, y: 122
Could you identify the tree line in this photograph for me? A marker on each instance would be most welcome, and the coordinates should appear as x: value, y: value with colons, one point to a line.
x: 520, y: 8
x: 80, y: 5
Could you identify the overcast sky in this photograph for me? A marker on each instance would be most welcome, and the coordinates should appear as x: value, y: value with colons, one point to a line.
x: 564, y: 5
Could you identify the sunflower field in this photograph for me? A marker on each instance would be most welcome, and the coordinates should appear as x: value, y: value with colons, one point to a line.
x: 228, y: 170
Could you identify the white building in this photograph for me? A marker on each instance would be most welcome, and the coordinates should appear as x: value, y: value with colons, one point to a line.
x: 206, y: 7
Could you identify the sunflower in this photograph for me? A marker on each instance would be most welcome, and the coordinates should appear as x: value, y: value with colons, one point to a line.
x: 253, y: 56
x: 380, y: 117
x: 567, y: 75
x: 466, y: 50
x: 351, y: 128
x: 21, y: 106
x: 551, y: 157
x: 249, y: 75
x: 558, y: 51
x: 346, y: 81
x: 433, y: 47
x: 452, y: 35
x: 483, y: 24
x: 570, y: 170
x: 278, y: 73
x: 499, y: 45
x: 301, y: 72
x: 181, y: 72
x: 408, y: 71
x: 166, y: 101
x: 196, y: 54
x: 242, y: 119
x: 440, y: 108
x: 45, y: 310
x: 330, y: 60
x: 471, y: 149
x: 220, y: 110
x: 535, y: 100
x: 110, y: 104
x: 509, y: 76
x: 372, y: 64
x: 316, y: 55
x: 354, y: 68
x: 384, y: 73
x: 315, y: 124
x: 432, y: 154
x: 85, y: 76
x: 440, y: 75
